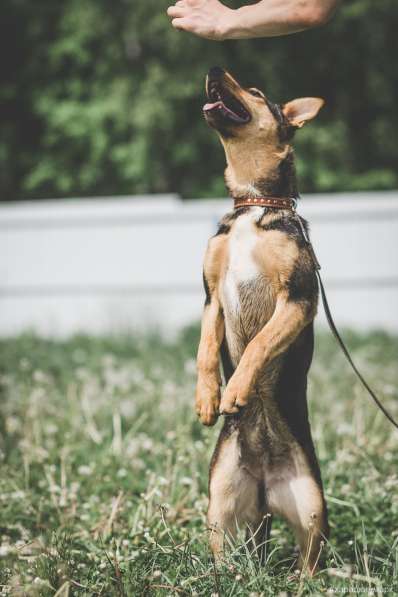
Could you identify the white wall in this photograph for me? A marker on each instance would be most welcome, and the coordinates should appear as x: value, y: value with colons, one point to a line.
x: 114, y: 264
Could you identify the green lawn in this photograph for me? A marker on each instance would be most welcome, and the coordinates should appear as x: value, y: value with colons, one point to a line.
x: 103, y: 487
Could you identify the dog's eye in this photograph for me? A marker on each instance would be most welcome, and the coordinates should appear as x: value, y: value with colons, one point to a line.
x: 256, y: 92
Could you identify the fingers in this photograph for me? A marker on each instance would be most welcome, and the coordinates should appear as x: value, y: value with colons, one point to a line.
x: 191, y: 3
x: 182, y: 23
x: 178, y: 14
x: 197, y: 17
x: 177, y: 11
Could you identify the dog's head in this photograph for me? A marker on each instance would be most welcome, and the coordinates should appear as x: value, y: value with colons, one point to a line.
x: 236, y: 112
x: 256, y: 135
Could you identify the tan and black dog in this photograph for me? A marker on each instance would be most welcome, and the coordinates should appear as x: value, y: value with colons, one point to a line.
x: 261, y: 299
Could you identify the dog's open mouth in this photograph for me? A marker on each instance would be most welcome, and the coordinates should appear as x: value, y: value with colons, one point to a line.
x: 223, y: 103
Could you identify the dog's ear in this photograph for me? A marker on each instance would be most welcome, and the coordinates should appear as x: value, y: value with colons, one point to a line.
x: 300, y: 110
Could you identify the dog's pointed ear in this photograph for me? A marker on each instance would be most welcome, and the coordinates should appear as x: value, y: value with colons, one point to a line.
x: 300, y: 110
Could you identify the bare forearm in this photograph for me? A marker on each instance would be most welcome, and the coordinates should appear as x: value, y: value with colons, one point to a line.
x: 213, y: 20
x: 270, y: 18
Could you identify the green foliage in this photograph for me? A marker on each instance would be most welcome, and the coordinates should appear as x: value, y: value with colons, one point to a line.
x: 105, y: 98
x: 103, y: 485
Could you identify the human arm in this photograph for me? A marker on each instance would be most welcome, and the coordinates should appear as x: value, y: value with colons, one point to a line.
x: 268, y: 18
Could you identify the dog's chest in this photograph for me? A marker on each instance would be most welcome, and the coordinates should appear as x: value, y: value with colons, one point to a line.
x: 242, y: 272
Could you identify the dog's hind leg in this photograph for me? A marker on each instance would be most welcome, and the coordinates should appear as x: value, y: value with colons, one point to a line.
x: 298, y: 497
x: 235, y: 499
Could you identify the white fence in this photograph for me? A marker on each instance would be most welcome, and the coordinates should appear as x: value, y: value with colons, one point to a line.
x: 115, y: 264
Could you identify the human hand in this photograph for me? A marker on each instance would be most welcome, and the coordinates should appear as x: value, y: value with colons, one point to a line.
x: 205, y: 18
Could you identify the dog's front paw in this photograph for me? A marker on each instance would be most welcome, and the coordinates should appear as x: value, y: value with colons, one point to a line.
x: 236, y: 395
x: 207, y: 402
x: 207, y: 412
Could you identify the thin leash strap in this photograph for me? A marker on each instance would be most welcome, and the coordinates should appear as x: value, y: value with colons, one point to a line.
x: 334, y: 329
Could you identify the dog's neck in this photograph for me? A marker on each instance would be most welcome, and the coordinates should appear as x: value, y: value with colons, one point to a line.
x: 261, y: 173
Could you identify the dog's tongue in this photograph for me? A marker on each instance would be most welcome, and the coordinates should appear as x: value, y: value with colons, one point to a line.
x: 211, y: 106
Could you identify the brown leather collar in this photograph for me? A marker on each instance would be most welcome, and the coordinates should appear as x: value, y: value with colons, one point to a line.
x: 274, y: 202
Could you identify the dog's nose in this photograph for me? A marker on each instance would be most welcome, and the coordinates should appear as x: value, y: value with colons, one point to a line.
x: 215, y: 73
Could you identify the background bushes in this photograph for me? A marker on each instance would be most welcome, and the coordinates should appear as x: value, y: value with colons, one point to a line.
x: 102, y: 97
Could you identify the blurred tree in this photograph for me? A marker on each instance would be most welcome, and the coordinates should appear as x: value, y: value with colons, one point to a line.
x: 102, y: 97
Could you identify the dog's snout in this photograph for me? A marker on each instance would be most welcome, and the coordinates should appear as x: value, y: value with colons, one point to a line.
x: 213, y: 82
x: 215, y: 73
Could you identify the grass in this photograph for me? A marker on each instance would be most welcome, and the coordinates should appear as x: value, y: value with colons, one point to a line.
x: 103, y: 487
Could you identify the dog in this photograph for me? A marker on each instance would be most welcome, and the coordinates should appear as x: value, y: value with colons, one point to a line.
x: 261, y: 300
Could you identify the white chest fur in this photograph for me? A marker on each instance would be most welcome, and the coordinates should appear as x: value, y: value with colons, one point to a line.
x: 241, y: 265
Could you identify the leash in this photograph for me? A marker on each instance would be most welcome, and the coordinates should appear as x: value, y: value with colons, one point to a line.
x: 291, y: 204
x: 333, y: 327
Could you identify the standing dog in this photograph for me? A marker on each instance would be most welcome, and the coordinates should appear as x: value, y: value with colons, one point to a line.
x: 261, y: 299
